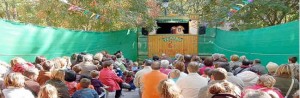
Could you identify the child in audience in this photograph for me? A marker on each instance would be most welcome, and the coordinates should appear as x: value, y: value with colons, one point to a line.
x: 129, y: 79
x: 77, y: 70
x: 174, y: 74
x: 85, y: 92
x: 96, y: 83
x: 48, y: 91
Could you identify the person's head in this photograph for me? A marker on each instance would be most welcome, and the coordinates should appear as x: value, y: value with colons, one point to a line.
x: 74, y: 56
x: 40, y: 59
x: 168, y: 89
x: 234, y: 58
x: 88, y: 58
x: 246, y: 62
x: 196, y: 58
x: 118, y: 55
x: 70, y: 76
x: 164, y: 63
x: 15, y: 80
x: 48, y: 91
x: 17, y: 60
x: 177, y: 56
x: 148, y: 62
x: 292, y: 59
x: 256, y: 61
x: 77, y: 69
x: 175, y: 73
x: 58, y: 74
x: 180, y: 58
x: 85, y: 82
x: 193, y: 67
x: 80, y: 57
x: 243, y: 58
x: 208, y: 62
x: 98, y: 56
x: 108, y: 64
x: 48, y: 65
x: 284, y: 70
x: 180, y: 66
x: 207, y: 71
x: 218, y: 74
x: 187, y: 58
x: 155, y: 65
x: 31, y: 73
x: 266, y: 81
x: 271, y: 67
x: 94, y: 74
x: 256, y: 94
x: 216, y: 56
x: 222, y: 87
x: 155, y: 58
x: 226, y: 66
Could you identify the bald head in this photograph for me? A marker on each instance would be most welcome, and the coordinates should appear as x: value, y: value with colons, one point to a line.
x: 155, y: 65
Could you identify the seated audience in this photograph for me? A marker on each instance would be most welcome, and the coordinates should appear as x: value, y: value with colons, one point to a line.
x: 230, y: 77
x: 244, y: 67
x: 48, y: 91
x: 260, y: 69
x: 168, y: 89
x: 218, y: 75
x: 85, y: 92
x: 174, y: 75
x: 249, y: 78
x: 14, y: 83
x: 98, y: 86
x: 265, y: 84
x: 285, y: 81
x: 192, y: 83
x: 208, y: 63
x: 70, y: 77
x: 164, y: 67
x: 224, y: 90
x: 30, y: 80
x: 57, y: 80
x: 44, y: 75
x: 256, y: 94
x: 234, y: 63
x: 180, y: 66
x: 271, y: 67
x: 155, y: 76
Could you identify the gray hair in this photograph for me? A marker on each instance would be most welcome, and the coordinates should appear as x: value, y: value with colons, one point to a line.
x: 164, y: 63
x: 88, y: 57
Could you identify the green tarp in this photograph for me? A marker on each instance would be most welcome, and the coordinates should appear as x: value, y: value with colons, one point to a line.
x: 275, y: 43
x: 28, y: 41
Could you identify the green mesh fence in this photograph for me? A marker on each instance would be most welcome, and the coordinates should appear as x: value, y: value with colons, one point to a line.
x: 28, y: 41
x: 275, y: 43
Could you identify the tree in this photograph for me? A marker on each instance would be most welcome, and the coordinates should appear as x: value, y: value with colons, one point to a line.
x: 114, y: 14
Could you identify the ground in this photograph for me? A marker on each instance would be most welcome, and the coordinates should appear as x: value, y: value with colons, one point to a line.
x: 126, y: 94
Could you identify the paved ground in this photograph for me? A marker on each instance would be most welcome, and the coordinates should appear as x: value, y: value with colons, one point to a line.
x: 126, y: 94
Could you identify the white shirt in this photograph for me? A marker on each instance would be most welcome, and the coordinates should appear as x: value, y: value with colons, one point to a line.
x: 191, y: 84
x: 12, y: 92
x: 182, y: 74
x: 138, y: 76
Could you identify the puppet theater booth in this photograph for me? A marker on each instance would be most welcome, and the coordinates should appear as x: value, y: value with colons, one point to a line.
x: 174, y: 35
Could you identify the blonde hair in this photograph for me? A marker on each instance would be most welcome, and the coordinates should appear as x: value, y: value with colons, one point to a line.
x: 58, y: 74
x: 284, y: 70
x: 15, y: 80
x: 168, y: 89
x: 272, y: 67
x: 48, y: 91
x: 17, y: 60
x: 175, y: 72
x: 267, y: 81
x: 223, y: 87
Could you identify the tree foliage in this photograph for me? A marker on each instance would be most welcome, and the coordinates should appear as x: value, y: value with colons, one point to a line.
x: 114, y: 14
x: 124, y: 14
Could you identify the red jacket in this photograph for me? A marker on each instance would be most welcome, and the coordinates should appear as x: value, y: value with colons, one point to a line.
x: 110, y: 78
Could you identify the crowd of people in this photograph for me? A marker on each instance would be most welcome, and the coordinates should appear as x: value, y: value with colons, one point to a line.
x: 85, y: 75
